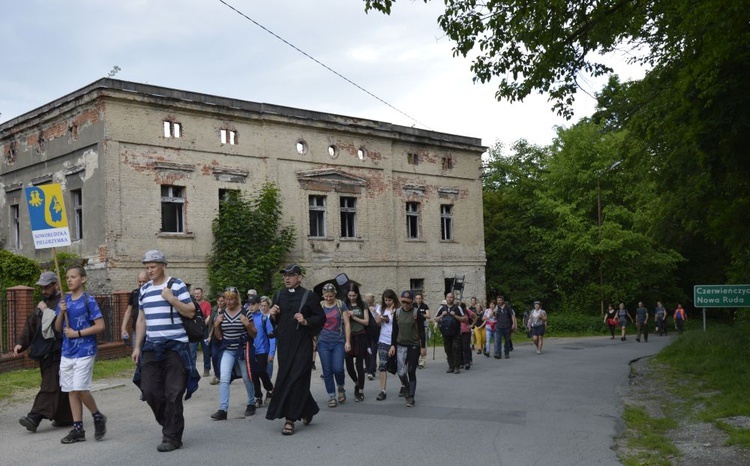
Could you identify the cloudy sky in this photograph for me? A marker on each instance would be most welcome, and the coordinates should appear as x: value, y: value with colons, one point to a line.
x: 54, y: 47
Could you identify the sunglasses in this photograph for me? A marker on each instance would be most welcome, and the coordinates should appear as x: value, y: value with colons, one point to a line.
x: 231, y: 289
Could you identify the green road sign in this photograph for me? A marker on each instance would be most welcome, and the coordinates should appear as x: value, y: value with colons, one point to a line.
x: 721, y: 295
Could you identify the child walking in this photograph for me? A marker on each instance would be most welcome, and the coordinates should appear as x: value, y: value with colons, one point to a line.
x: 80, y: 320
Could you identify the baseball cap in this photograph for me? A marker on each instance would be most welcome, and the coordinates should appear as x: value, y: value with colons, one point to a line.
x: 47, y: 278
x: 292, y: 269
x: 154, y: 255
x: 407, y: 294
x: 253, y: 299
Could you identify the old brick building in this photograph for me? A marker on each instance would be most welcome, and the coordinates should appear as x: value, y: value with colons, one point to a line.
x: 144, y: 167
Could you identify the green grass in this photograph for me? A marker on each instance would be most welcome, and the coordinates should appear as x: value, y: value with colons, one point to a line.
x: 707, y: 377
x: 13, y: 383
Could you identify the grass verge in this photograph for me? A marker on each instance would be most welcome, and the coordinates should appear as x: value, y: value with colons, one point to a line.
x: 13, y: 383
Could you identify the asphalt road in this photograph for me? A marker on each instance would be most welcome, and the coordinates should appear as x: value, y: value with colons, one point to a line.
x: 562, y: 407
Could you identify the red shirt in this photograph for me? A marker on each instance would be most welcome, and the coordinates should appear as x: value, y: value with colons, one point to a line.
x: 205, y: 309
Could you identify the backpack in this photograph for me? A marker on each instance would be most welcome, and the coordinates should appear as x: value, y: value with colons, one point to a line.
x: 195, y: 327
x: 449, y: 326
x: 40, y: 347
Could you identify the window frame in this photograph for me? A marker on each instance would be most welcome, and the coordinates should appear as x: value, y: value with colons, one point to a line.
x: 317, y: 212
x: 172, y: 129
x: 15, y: 225
x: 446, y: 222
x: 413, y: 221
x: 172, y: 201
x: 348, y: 217
x: 76, y: 200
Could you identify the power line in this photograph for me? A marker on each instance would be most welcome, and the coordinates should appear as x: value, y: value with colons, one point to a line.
x: 322, y: 64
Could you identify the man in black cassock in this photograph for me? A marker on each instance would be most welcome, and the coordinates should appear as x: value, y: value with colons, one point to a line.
x: 51, y: 402
x: 297, y: 317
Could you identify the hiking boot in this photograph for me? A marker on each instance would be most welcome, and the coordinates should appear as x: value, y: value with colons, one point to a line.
x: 165, y: 446
x: 30, y: 424
x: 219, y: 415
x: 381, y: 396
x: 74, y: 436
x: 249, y: 411
x: 100, y: 426
x: 403, y: 392
x: 409, y: 402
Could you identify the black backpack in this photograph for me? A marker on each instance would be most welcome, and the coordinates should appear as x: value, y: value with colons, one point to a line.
x: 195, y: 327
x: 449, y: 326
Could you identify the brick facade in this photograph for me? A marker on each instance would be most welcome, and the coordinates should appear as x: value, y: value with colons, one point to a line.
x: 108, y: 141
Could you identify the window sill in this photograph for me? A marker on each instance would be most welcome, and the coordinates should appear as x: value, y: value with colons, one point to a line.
x: 175, y: 235
x: 352, y: 240
x: 320, y: 238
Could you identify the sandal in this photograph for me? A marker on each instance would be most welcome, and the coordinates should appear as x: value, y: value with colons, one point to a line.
x: 332, y: 403
x: 342, y: 394
x: 306, y: 421
x: 288, y: 428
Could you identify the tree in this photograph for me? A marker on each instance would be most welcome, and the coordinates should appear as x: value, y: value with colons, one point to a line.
x: 249, y: 241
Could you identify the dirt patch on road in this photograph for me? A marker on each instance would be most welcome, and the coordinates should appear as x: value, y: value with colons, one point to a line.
x: 699, y: 443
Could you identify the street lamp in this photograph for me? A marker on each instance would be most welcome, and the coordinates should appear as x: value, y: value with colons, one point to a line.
x: 599, y: 223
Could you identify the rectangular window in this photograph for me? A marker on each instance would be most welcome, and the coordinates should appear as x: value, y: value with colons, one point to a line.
x: 446, y: 222
x: 348, y: 217
x: 15, y: 226
x: 173, y: 209
x: 412, y: 220
x: 318, y: 216
x: 172, y: 129
x: 412, y: 158
x: 447, y: 162
x: 228, y: 136
x: 77, y: 201
x: 416, y: 284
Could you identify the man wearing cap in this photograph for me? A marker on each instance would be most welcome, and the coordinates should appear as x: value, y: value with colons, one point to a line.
x: 50, y: 402
x: 297, y: 316
x: 452, y: 341
x: 161, y: 348
x: 408, y: 344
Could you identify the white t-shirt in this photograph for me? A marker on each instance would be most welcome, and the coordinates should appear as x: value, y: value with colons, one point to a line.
x: 386, y: 328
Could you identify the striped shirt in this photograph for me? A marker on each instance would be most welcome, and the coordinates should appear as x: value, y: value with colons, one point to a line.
x: 232, y: 329
x: 159, y: 322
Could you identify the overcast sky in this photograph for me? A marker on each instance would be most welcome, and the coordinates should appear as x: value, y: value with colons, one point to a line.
x: 54, y: 47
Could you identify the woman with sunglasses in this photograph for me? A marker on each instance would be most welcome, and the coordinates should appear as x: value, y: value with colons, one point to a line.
x: 334, y: 341
x: 356, y: 358
x: 234, y: 327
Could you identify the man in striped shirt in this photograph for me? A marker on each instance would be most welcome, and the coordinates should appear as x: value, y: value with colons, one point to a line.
x: 164, y: 355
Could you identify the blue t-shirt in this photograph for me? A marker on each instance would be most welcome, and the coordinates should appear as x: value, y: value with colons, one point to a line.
x: 80, y: 316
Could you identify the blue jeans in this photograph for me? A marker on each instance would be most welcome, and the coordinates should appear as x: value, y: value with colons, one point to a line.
x: 270, y: 369
x: 489, y: 335
x: 332, y: 361
x: 206, y: 356
x: 228, y: 360
x: 499, y: 334
x: 193, y: 353
x: 216, y: 357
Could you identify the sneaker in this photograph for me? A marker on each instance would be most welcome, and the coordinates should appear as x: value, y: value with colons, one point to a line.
x: 497, y: 357
x: 468, y: 366
x: 479, y: 352
x: 313, y: 366
x: 206, y: 373
x: 100, y: 426
x: 370, y: 376
x: 269, y: 395
x: 486, y: 354
x: 258, y: 402
x: 165, y: 446
x: 638, y: 340
x: 507, y: 356
x: 457, y: 371
x: 74, y: 436
x: 409, y: 402
x: 249, y: 411
x: 219, y: 415
x: 450, y: 370
x: 321, y: 375
x: 214, y: 381
x: 381, y: 396
x: 538, y: 352
x: 28, y: 423
x: 402, y: 392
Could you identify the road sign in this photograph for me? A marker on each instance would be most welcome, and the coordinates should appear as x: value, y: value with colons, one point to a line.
x: 49, y: 225
x: 721, y: 296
